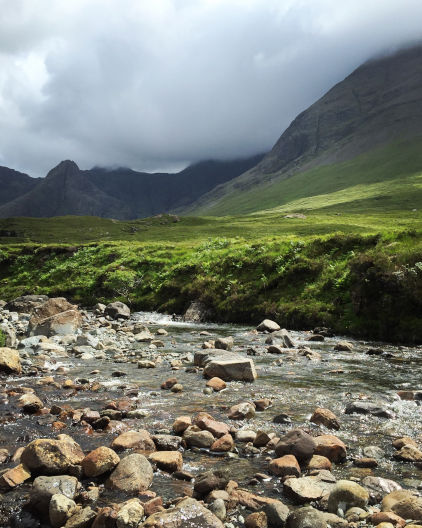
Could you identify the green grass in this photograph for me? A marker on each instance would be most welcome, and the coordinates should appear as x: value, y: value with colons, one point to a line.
x: 389, y: 178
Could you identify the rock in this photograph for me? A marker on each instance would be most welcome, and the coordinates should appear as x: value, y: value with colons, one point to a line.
x: 325, y: 417
x: 262, y: 404
x: 373, y: 452
x: 306, y: 518
x: 398, y: 443
x: 106, y: 518
x: 365, y: 462
x: 194, y: 438
x: 224, y: 343
x: 302, y: 490
x: 275, y: 349
x: 268, y: 326
x: 178, y: 387
x: 117, y: 310
x: 25, y: 303
x: 319, y: 462
x: 364, y: 407
x: 55, y: 317
x: 132, y: 474
x: 315, y: 338
x: 256, y: 520
x: 43, y: 488
x: 181, y: 424
x: 217, y: 384
x: 297, y: 443
x: 285, y: 338
x: 409, y: 453
x: 331, y: 447
x: 386, y: 517
x: 390, y: 500
x: 146, y: 364
x: 343, y: 346
x: 134, y: 440
x: 242, y: 411
x: 409, y: 508
x: 285, y: 465
x: 245, y: 435
x: 169, y: 461
x: 99, y: 461
x: 276, y: 513
x: 196, y: 313
x: 188, y: 512
x: 261, y: 439
x: 10, y: 361
x: 14, y: 477
x: 30, y: 403
x: 207, y: 482
x: 81, y: 518
x: 230, y: 367
x: 347, y: 494
x: 52, y: 457
x: 223, y: 444
x: 165, y: 442
x: 168, y: 384
x: 206, y: 422
x: 218, y: 508
x: 60, y: 509
x: 130, y: 514
x: 282, y: 418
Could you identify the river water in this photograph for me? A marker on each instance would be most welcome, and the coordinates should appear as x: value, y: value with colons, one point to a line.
x: 296, y: 386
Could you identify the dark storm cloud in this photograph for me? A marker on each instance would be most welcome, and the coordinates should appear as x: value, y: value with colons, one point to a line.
x: 158, y: 84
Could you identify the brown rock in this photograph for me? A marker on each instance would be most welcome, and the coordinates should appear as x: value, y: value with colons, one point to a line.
x: 391, y: 499
x: 223, y: 444
x: 181, y: 424
x: 132, y: 474
x: 285, y: 465
x: 134, y: 440
x: 319, y: 462
x: 207, y: 423
x: 365, y: 462
x: 242, y: 411
x: 169, y: 383
x: 410, y: 508
x: 262, y: 404
x: 52, y: 457
x: 409, y: 453
x: 262, y: 438
x: 390, y: 517
x: 249, y: 500
x: 106, y: 518
x: 217, y: 384
x: 30, y: 403
x: 325, y: 417
x: 256, y: 520
x: 100, y: 461
x: 297, y: 443
x: 10, y: 361
x: 13, y: 477
x: 331, y: 447
x: 398, y: 443
x: 169, y: 461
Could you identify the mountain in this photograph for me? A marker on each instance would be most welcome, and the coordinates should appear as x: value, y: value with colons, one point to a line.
x: 120, y: 193
x: 14, y: 184
x: 373, y: 110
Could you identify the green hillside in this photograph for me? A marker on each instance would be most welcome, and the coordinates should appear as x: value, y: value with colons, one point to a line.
x: 385, y: 179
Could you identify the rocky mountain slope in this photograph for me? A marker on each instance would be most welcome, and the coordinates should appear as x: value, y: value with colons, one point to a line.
x: 379, y: 104
x: 120, y: 193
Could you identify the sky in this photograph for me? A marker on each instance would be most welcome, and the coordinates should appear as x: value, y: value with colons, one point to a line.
x: 158, y: 84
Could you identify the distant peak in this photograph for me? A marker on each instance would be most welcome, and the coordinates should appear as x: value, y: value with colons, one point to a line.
x: 67, y: 167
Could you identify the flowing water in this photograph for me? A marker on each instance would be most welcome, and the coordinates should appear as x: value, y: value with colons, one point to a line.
x: 295, y: 385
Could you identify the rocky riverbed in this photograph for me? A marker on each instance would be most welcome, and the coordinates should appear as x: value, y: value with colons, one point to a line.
x: 113, y: 419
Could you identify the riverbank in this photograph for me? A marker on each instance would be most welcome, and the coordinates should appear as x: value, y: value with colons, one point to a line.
x: 367, y: 286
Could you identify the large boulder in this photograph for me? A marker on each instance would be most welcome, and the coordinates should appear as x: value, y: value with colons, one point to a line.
x: 132, y: 475
x: 268, y: 326
x: 225, y: 365
x: 297, y: 443
x: 347, y: 494
x: 117, y: 310
x: 55, y: 317
x: 188, y: 512
x: 10, y: 361
x: 409, y: 508
x: 196, y: 313
x: 43, y: 488
x: 25, y: 303
x: 48, y: 456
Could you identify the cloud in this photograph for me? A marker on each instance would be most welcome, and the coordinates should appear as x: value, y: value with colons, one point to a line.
x: 156, y: 85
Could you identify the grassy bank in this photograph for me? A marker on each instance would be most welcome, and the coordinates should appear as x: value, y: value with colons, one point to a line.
x: 366, y: 284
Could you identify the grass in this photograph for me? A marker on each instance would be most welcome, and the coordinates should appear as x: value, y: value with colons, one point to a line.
x: 352, y: 262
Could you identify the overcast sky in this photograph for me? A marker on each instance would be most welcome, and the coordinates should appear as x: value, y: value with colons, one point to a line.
x: 156, y: 84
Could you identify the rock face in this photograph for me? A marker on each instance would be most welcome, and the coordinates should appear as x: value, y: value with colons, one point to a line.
x: 52, y: 457
x: 188, y: 512
x: 117, y: 310
x: 132, y: 475
x: 10, y: 361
